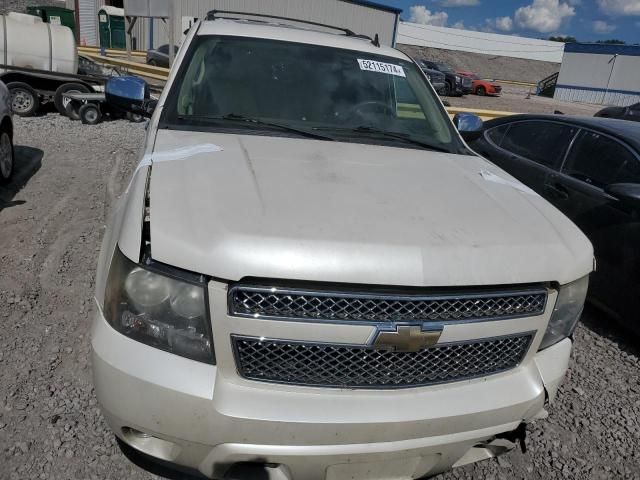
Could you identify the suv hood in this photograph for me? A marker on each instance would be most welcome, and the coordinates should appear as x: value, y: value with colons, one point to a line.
x: 234, y: 206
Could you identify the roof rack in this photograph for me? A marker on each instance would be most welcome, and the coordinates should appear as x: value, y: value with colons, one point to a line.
x: 213, y: 14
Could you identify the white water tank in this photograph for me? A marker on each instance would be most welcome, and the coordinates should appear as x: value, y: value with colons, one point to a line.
x: 27, y: 42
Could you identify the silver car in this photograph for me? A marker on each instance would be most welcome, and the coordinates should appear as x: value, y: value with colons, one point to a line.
x: 159, y: 57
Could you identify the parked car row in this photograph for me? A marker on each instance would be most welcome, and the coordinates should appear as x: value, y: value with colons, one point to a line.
x: 446, y: 81
x: 455, y: 85
x: 481, y: 86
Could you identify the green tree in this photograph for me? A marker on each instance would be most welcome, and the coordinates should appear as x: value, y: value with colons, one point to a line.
x: 612, y: 41
x: 565, y: 39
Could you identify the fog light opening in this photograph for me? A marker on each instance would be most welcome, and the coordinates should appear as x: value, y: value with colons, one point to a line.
x: 150, y: 444
x: 128, y: 431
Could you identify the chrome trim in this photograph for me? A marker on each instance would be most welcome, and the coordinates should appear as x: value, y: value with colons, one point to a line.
x: 530, y: 335
x: 358, y: 293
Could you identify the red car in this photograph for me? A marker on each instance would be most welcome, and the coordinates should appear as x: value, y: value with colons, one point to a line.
x: 482, y: 87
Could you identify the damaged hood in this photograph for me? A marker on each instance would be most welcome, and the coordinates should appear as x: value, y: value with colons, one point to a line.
x: 234, y: 206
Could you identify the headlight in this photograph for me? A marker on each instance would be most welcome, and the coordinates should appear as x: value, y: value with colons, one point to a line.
x: 166, y: 310
x: 458, y: 79
x: 429, y: 77
x: 566, y: 312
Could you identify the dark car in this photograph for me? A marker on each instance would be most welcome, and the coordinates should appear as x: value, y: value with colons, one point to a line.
x: 632, y: 112
x: 87, y: 66
x: 589, y: 168
x: 436, y: 78
x: 454, y: 84
x: 159, y: 57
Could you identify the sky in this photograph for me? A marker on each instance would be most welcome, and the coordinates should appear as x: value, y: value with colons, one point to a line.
x: 587, y: 20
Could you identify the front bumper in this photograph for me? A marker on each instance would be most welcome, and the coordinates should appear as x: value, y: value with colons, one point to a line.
x: 208, y: 418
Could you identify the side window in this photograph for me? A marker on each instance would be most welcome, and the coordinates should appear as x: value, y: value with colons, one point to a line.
x: 542, y: 142
x: 496, y: 134
x: 599, y: 160
x: 630, y: 172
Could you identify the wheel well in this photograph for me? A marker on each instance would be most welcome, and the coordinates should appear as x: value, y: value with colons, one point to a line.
x: 7, y: 125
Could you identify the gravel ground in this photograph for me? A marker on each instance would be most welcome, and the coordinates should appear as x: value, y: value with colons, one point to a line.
x: 51, y: 222
x: 514, y: 99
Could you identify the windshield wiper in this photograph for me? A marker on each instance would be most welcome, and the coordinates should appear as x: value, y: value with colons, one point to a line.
x: 405, y: 137
x: 233, y: 117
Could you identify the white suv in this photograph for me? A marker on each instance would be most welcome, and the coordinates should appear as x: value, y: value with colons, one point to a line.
x: 311, y: 276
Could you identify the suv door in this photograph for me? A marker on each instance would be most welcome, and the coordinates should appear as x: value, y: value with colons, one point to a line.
x: 530, y: 150
x: 594, y: 161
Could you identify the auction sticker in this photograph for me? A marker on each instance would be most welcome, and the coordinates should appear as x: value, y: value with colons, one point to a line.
x: 381, y: 67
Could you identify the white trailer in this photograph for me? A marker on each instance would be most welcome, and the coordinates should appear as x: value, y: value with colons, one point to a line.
x: 39, y: 64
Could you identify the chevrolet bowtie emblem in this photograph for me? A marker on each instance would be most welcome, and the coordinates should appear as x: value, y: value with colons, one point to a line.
x: 407, y: 339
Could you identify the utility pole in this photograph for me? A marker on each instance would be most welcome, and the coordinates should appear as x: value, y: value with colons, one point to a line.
x: 76, y: 15
x: 172, y: 37
x: 613, y: 65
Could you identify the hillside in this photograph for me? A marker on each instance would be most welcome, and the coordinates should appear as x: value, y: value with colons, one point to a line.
x: 486, y: 66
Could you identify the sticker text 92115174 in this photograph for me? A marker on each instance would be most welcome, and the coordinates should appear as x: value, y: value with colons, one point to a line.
x: 381, y: 67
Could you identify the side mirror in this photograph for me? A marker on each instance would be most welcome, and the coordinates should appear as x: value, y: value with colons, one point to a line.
x: 129, y: 94
x: 469, y: 125
x: 627, y: 193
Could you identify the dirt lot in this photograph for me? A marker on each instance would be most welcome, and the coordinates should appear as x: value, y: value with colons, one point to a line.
x: 52, y: 219
x: 514, y: 99
x: 485, y: 65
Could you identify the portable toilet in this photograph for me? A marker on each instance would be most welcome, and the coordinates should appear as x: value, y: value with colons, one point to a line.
x: 54, y: 15
x: 111, y: 27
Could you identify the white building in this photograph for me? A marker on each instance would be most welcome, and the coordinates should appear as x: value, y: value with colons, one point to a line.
x: 479, y: 42
x: 600, y: 73
x: 360, y: 16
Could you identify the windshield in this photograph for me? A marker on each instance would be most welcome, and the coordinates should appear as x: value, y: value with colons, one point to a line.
x: 263, y: 85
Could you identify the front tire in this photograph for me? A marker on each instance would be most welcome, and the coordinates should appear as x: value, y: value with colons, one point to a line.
x: 480, y: 91
x: 24, y: 99
x: 446, y: 91
x: 90, y: 114
x: 6, y: 157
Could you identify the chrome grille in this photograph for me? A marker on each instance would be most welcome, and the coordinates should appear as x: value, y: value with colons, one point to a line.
x: 364, y: 307
x: 363, y: 366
